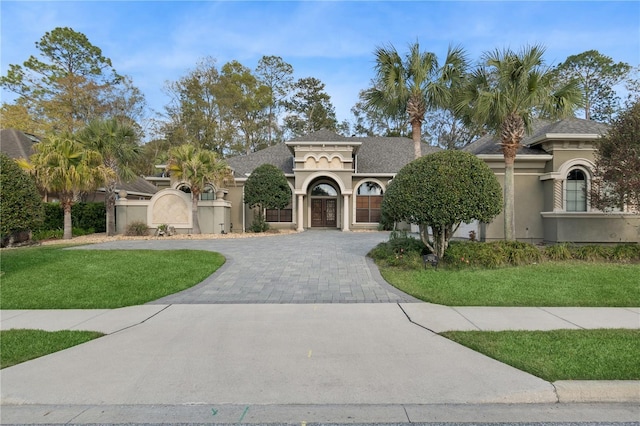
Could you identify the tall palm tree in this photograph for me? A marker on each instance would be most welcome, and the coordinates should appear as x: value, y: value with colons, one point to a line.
x: 414, y: 85
x: 118, y: 144
x: 504, y: 94
x: 197, y: 168
x: 62, y: 165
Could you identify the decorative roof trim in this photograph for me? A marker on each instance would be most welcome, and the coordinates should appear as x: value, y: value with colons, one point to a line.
x: 545, y: 157
x: 565, y: 136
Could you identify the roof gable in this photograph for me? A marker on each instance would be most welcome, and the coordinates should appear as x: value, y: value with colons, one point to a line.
x: 17, y: 144
x: 375, y: 154
x: 542, y: 130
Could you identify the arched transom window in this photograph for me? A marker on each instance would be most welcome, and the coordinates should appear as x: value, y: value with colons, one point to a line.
x: 576, y: 191
x: 368, y: 202
x: 324, y: 189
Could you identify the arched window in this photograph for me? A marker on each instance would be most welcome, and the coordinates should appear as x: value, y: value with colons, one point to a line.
x: 368, y: 202
x: 576, y: 191
x: 185, y: 188
x: 208, y: 193
x: 324, y: 189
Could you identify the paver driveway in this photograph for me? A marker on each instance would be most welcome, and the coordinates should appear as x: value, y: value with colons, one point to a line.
x: 309, y: 267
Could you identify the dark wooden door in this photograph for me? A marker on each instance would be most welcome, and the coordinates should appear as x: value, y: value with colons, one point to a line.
x: 324, y: 212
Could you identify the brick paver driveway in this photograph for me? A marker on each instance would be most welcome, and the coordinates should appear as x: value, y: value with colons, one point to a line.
x: 309, y: 267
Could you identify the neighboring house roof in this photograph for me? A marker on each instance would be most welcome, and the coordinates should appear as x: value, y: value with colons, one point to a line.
x: 139, y: 186
x: 541, y: 130
x: 375, y: 154
x: 17, y: 144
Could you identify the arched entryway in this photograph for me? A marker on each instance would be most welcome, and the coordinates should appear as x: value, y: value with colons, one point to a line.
x: 323, y: 196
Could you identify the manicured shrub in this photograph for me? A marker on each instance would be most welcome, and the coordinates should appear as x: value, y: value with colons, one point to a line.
x: 137, y: 229
x: 88, y: 216
x: 53, y: 217
x: 259, y: 224
x: 402, y: 250
x: 558, y: 252
x: 626, y: 253
x: 592, y: 252
x: 20, y: 202
x: 491, y: 255
x: 440, y: 191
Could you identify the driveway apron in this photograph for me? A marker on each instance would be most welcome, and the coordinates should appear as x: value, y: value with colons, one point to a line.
x: 309, y: 267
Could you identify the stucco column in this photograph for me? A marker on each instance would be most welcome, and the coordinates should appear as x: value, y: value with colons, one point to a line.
x: 300, y: 211
x: 557, y: 195
x: 345, y: 213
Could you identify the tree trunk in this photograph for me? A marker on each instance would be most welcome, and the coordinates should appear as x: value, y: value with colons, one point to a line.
x: 416, y: 135
x: 509, y: 199
x: 110, y: 204
x: 194, y: 213
x: 68, y: 225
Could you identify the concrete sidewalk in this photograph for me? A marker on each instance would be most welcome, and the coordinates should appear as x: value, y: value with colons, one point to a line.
x: 436, y: 318
x: 258, y: 363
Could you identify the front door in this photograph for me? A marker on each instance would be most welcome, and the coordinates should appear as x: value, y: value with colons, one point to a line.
x: 324, y: 212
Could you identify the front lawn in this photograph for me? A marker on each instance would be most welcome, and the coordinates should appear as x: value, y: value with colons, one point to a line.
x: 561, y: 354
x: 546, y: 284
x: 51, y: 277
x: 18, y: 346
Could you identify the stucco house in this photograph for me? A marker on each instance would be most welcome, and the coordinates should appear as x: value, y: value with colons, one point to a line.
x: 336, y: 182
x: 553, y: 174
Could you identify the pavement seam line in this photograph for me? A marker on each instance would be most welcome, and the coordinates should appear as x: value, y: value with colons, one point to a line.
x: 77, y: 415
x: 141, y: 322
x: 405, y: 413
x: 412, y: 322
x: 563, y: 319
x: 467, y: 319
x: 555, y: 392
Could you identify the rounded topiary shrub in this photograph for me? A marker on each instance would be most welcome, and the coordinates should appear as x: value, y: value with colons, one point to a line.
x: 21, y: 207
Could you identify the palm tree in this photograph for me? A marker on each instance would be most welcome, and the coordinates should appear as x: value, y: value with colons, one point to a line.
x: 197, y: 168
x: 504, y: 94
x: 64, y: 166
x: 414, y: 85
x: 118, y: 144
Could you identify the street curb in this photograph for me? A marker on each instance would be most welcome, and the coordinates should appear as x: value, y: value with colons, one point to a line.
x: 598, y: 391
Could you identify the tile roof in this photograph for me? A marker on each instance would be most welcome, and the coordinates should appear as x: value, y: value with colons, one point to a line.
x: 490, y: 144
x: 375, y: 155
x: 17, y: 144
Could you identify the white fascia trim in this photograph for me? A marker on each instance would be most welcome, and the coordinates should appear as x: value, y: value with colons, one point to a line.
x: 588, y: 215
x: 364, y: 175
x: 570, y: 136
x: 551, y: 175
x: 542, y: 157
x: 327, y: 143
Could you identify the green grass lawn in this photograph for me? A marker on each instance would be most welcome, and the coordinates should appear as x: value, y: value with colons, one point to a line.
x: 545, y: 284
x: 18, y: 346
x: 561, y: 354
x: 54, y: 278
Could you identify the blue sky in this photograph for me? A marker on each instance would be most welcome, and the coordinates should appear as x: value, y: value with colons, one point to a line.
x: 154, y: 42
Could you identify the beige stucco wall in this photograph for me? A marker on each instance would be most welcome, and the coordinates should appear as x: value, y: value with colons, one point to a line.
x: 129, y: 212
x: 591, y: 227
